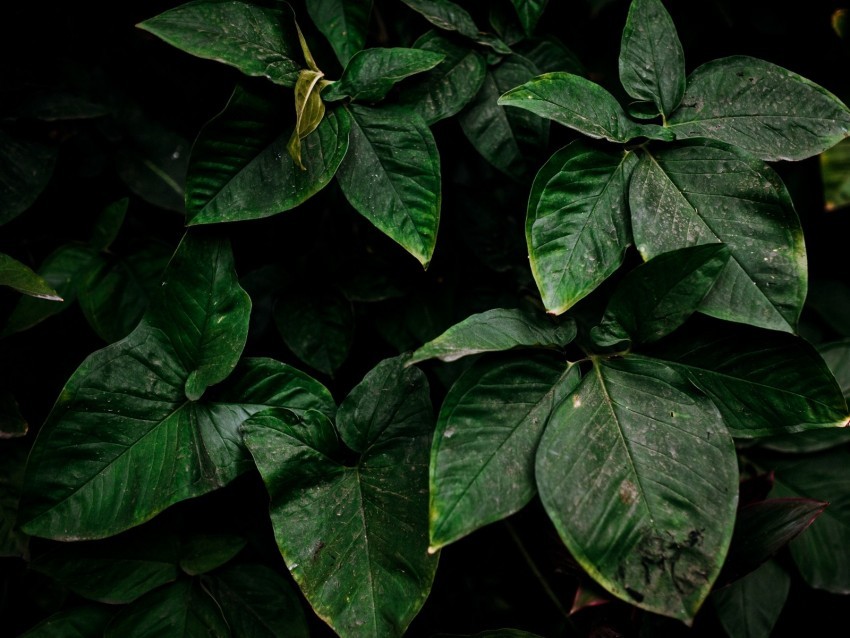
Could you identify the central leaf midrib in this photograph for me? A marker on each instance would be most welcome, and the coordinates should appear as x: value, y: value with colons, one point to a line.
x: 373, y: 607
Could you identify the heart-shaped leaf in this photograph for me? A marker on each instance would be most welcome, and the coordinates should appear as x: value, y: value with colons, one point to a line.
x: 343, y: 22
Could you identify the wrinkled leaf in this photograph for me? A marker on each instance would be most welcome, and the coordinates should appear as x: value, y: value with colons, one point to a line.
x: 705, y: 193
x: 25, y: 170
x: 371, y: 74
x: 750, y: 607
x: 20, y: 277
x: 835, y: 173
x: 108, y: 224
x: 391, y: 176
x: 762, y: 108
x: 529, y: 12
x: 87, y: 621
x: 577, y: 227
x: 343, y: 22
x: 640, y: 478
x: 203, y: 553
x: 452, y: 17
x: 482, y: 457
x: 309, y: 111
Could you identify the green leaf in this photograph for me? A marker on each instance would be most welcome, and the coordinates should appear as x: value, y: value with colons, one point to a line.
x: 482, y: 457
x: 354, y: 537
x: 762, y: 108
x: 821, y: 553
x: 835, y: 173
x: 181, y: 610
x: 13, y: 461
x: 318, y: 327
x: 25, y: 169
x: 763, y: 382
x: 256, y: 40
x: 495, y: 330
x: 240, y: 168
x: 549, y: 54
x: 343, y: 22
x: 87, y: 621
x: 652, y: 63
x: 371, y: 74
x: 203, y: 553
x: 750, y: 607
x: 529, y: 12
x: 452, y: 17
x: 12, y: 422
x: 705, y: 193
x: 108, y: 224
x: 309, y: 111
x: 640, y: 478
x: 659, y: 296
x: 391, y: 176
x: 577, y: 228
x: 449, y: 86
x: 20, y: 277
x: 504, y: 137
x: 257, y: 602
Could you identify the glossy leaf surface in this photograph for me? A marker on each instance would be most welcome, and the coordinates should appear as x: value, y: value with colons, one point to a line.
x: 750, y: 607
x: 343, y: 22
x: 21, y: 277
x: 25, y: 170
x: 371, y: 74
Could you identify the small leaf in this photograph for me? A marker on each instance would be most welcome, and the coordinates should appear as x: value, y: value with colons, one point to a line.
x: 835, y: 173
x: 391, y: 176
x: 78, y: 622
x: 19, y: 277
x: 452, y: 17
x: 12, y: 422
x: 482, y: 457
x: 108, y: 224
x: 256, y: 40
x: 203, y: 553
x: 750, y: 607
x: 495, y: 330
x: 343, y: 22
x: 309, y: 111
x: 529, y: 12
x: 25, y: 169
x: 371, y: 74
x: 762, y: 108
x: 652, y: 63
x: 577, y: 227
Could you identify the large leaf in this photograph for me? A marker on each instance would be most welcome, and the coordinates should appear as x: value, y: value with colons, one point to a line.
x: 704, y: 193
x: 391, y: 176
x: 240, y: 168
x: 577, y: 227
x: 529, y: 12
x: 256, y: 40
x: 505, y: 137
x: 750, y: 607
x: 766, y: 110
x: 354, y: 537
x: 371, y: 74
x: 452, y: 17
x: 652, y: 63
x: 822, y: 553
x: 657, y: 297
x: 86, y: 621
x: 640, y: 477
x: 495, y: 330
x: 482, y: 457
x: 763, y: 382
x: 20, y: 277
x: 343, y: 23
x: 257, y: 602
x: 451, y: 85
x: 25, y: 170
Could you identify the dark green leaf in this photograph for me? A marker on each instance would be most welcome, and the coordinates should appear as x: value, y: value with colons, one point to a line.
x: 762, y: 108
x: 391, y: 176
x: 836, y: 355
x: 750, y: 607
x: 309, y: 111
x: 256, y: 40
x: 12, y: 422
x: 577, y: 226
x: 652, y: 63
x: 451, y: 85
x: 371, y: 74
x: 203, y: 553
x: 763, y: 382
x: 659, y: 296
x: 13, y: 460
x: 354, y: 537
x: 343, y: 22
x: 19, y: 277
x: 257, y: 603
x: 25, y: 170
x: 87, y: 621
x: 240, y: 168
x: 482, y: 457
x: 640, y: 478
x: 181, y: 610
x: 52, y: 105
x: 835, y: 173
x: 495, y: 330
x: 108, y: 224
x: 452, y: 17
x: 709, y: 193
x: 529, y: 12
x: 550, y: 54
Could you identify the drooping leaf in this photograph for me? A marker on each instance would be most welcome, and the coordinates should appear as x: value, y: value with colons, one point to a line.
x: 835, y: 173
x: 577, y: 228
x: 762, y: 108
x: 658, y: 297
x: 750, y: 607
x: 259, y: 41
x: 529, y: 12
x: 20, y: 277
x: 371, y: 74
x: 203, y: 553
x: 652, y: 63
x: 257, y: 602
x: 12, y: 422
x: 13, y: 461
x: 180, y: 610
x: 763, y: 382
x: 108, y: 224
x: 507, y: 138
x: 482, y: 457
x: 86, y: 621
x: 25, y: 169
x: 240, y: 168
x: 640, y: 478
x: 309, y: 111
x: 703, y: 193
x: 391, y: 176
x: 449, y: 86
x: 495, y: 330
x: 362, y: 561
x: 452, y: 17
x: 343, y: 22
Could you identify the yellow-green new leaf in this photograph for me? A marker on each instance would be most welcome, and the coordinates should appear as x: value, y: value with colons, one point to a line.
x: 309, y: 111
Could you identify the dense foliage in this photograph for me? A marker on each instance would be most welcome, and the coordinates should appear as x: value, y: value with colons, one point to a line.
x: 505, y: 318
